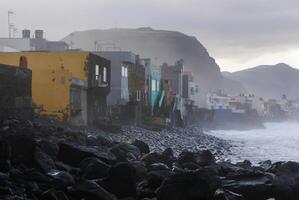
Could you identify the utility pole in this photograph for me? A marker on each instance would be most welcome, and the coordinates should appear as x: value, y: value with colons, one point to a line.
x: 9, y: 14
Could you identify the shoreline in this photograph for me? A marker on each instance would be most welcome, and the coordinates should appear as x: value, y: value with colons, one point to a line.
x: 51, y: 162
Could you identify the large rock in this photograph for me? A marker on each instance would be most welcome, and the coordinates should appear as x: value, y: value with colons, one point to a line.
x: 121, y: 181
x: 23, y: 147
x: 49, y: 147
x: 74, y: 154
x: 89, y: 190
x: 257, y: 186
x: 43, y: 161
x: 142, y: 146
x: 201, y: 184
x: 94, y: 168
x: 125, y: 152
x: 61, y: 179
x: 202, y: 158
x: 221, y: 194
x: 286, y: 183
x: 166, y: 157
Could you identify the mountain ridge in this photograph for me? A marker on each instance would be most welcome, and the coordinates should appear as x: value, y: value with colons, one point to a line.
x: 270, y: 81
x: 161, y: 46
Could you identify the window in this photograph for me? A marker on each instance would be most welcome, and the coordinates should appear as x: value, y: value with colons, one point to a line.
x: 126, y: 72
x: 154, y: 85
x: 97, y: 71
x: 105, y: 74
x: 122, y: 71
x: 138, y: 95
x: 192, y: 91
x: 158, y: 85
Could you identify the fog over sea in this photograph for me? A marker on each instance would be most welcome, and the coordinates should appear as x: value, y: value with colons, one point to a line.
x: 277, y: 142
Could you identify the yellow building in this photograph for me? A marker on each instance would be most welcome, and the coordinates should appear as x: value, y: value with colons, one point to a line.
x: 69, y: 86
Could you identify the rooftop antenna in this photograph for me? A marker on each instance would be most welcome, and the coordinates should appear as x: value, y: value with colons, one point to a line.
x: 15, y: 30
x: 9, y: 14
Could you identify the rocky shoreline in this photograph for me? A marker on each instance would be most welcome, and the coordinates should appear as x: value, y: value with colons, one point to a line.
x: 51, y: 162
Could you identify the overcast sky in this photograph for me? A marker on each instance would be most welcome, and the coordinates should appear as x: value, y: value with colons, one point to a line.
x: 238, y: 33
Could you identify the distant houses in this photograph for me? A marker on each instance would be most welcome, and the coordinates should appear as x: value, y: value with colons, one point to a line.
x: 28, y: 42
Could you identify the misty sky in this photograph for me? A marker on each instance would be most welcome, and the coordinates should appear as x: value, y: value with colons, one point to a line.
x: 237, y: 33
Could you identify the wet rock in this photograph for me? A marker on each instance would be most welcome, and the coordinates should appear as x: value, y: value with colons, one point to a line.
x: 94, y: 168
x: 191, y: 166
x: 49, y: 147
x: 151, y: 158
x: 43, y: 161
x: 266, y: 165
x: 121, y: 180
x: 221, y: 194
x: 5, y: 150
x: 141, y: 170
x: 124, y: 151
x: 89, y: 190
x: 52, y: 194
x: 156, y: 178
x: 98, y: 140
x: 158, y: 166
x: 155, y: 157
x: 167, y: 157
x: 142, y: 146
x: 286, y: 183
x: 256, y: 186
x: 229, y: 169
x: 36, y: 176
x: 202, y: 158
x: 22, y: 148
x: 3, y: 178
x: 61, y: 179
x: 189, y: 185
x: 74, y: 154
x: 62, y: 166
x: 246, y: 164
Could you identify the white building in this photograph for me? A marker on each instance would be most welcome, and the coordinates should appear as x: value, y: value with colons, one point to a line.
x: 217, y: 101
x: 36, y: 43
x: 7, y: 49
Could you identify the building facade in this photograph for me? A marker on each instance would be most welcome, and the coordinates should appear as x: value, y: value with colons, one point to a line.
x: 68, y: 86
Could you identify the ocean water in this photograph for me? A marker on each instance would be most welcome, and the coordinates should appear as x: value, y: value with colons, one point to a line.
x: 277, y: 142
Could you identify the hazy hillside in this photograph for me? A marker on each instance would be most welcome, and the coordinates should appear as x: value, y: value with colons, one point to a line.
x: 270, y: 81
x: 160, y: 46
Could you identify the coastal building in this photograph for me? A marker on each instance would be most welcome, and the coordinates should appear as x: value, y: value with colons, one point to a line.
x: 136, y: 81
x: 120, y: 63
x: 241, y: 103
x: 69, y: 86
x: 172, y: 81
x: 195, y: 94
x: 156, y: 93
x: 36, y: 43
x: 218, y: 101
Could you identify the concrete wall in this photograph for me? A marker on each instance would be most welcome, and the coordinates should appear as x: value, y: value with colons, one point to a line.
x: 21, y: 44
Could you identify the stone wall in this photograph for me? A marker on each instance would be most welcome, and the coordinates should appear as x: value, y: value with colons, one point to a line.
x: 15, y: 92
